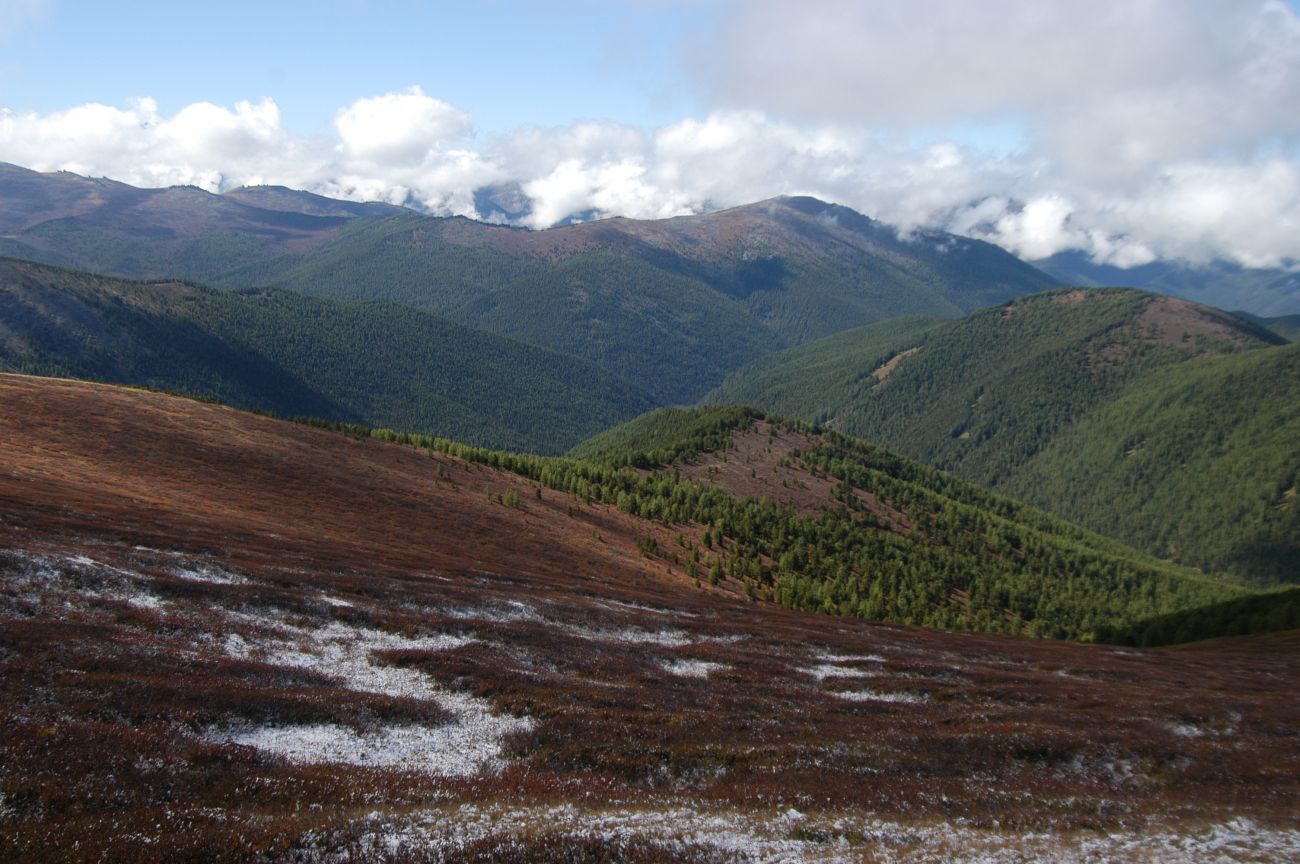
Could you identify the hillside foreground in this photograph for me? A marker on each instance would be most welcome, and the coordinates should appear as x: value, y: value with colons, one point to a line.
x: 225, y: 637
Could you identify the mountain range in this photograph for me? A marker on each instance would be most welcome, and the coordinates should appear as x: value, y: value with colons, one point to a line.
x: 673, y: 305
x: 535, y: 340
x: 1263, y: 291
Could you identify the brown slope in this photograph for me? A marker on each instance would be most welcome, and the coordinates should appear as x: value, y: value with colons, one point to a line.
x: 174, y: 574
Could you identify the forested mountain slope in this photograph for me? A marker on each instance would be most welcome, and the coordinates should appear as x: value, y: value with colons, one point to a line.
x: 375, y: 363
x: 673, y: 304
x: 1013, y: 397
x: 839, y: 525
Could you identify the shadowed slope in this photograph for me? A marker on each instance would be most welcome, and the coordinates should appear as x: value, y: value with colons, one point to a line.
x: 373, y: 363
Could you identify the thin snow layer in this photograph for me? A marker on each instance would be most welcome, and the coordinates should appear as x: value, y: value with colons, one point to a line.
x: 208, y: 573
x: 828, y: 657
x: 793, y: 838
x: 504, y: 613
x: 692, y: 668
x: 826, y: 670
x: 634, y: 636
x: 458, y: 749
x: 654, y: 610
x: 81, y: 581
x: 876, y: 696
x: 471, y: 742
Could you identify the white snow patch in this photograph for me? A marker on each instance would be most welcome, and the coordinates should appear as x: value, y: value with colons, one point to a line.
x: 828, y: 657
x: 208, y: 573
x: 140, y: 599
x: 337, y: 602
x: 502, y: 614
x: 1185, y: 730
x: 343, y: 652
x: 639, y: 607
x: 692, y: 668
x: 235, y: 646
x: 635, y: 636
x: 848, y: 837
x: 471, y: 742
x: 877, y: 696
x: 458, y: 749
x: 826, y: 670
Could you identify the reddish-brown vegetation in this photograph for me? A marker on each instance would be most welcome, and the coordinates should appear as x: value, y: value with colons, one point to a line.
x: 170, y: 571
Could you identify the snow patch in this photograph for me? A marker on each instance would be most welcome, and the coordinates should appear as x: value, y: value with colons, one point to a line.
x: 792, y: 836
x: 827, y: 657
x: 826, y: 670
x: 877, y: 696
x: 458, y: 749
x: 471, y: 742
x: 692, y: 668
x: 209, y: 574
x: 505, y: 613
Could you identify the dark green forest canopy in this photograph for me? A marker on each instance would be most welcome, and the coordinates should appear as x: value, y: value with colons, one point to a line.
x: 1047, y: 397
x: 971, y: 558
x: 373, y: 363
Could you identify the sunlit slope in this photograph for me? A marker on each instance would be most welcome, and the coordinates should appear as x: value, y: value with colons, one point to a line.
x: 1013, y: 396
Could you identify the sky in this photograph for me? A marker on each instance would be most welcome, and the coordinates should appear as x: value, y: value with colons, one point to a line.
x: 1130, y: 130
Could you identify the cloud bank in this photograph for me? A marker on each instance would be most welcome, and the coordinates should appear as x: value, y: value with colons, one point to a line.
x: 1153, y: 129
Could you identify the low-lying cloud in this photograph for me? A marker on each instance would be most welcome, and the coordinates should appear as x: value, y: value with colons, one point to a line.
x: 410, y: 148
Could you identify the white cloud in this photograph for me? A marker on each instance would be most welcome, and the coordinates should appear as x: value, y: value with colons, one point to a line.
x: 409, y: 148
x: 405, y: 127
x: 1110, y: 85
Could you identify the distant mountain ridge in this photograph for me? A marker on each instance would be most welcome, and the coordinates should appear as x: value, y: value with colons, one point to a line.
x: 1262, y: 291
x: 672, y: 304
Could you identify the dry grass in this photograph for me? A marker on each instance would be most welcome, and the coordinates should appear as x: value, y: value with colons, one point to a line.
x: 158, y: 556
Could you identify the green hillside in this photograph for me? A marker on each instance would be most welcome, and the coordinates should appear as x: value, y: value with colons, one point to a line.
x: 1203, y: 461
x: 674, y: 305
x: 1011, y: 397
x: 381, y: 364
x: 890, y: 538
x: 1286, y: 326
x: 1267, y: 612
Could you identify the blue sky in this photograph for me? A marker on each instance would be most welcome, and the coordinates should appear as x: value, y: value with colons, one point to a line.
x: 512, y: 63
x: 1131, y: 131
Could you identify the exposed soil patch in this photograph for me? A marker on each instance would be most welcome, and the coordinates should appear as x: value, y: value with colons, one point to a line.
x: 1071, y: 298
x: 761, y: 464
x: 882, y: 374
x: 1171, y: 321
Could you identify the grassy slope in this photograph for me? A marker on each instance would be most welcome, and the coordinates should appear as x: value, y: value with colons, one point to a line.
x: 165, y: 582
x: 995, y: 397
x: 381, y: 364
